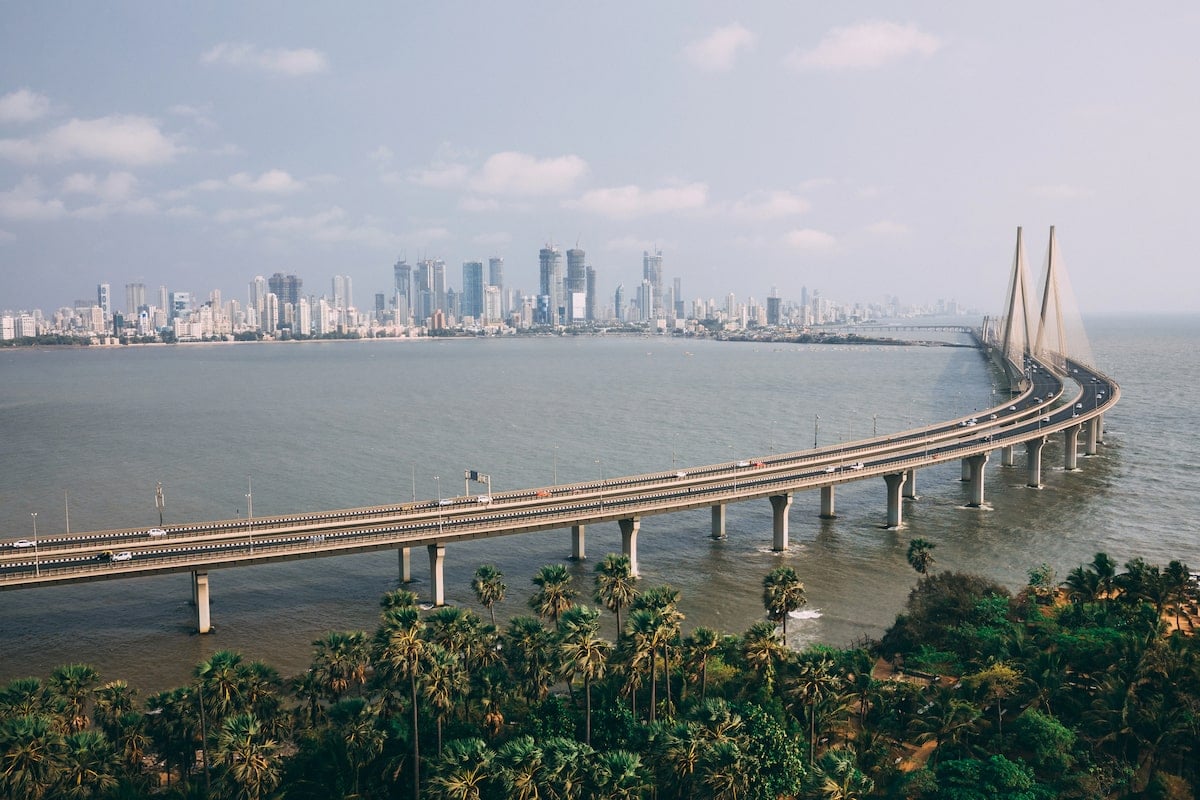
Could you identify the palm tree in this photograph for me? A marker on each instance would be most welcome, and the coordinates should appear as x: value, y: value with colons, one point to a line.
x: 340, y: 662
x: 920, y: 555
x: 838, y: 777
x: 618, y: 775
x: 443, y: 681
x: 519, y: 768
x: 399, y: 653
x: 73, y: 683
x: 31, y: 756
x: 89, y: 765
x: 583, y: 654
x: 783, y: 593
x: 948, y: 721
x: 762, y: 650
x: 814, y: 682
x: 530, y: 654
x: 462, y: 771
x: 113, y: 700
x: 615, y: 585
x: 250, y: 761
x: 489, y: 588
x: 724, y: 772
x: 646, y: 633
x: 701, y: 644
x: 355, y: 725
x: 555, y: 592
x: 663, y: 601
x: 399, y: 598
x: 221, y: 681
x: 23, y: 696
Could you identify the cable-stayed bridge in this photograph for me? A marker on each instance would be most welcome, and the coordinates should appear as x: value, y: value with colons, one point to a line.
x: 1055, y: 389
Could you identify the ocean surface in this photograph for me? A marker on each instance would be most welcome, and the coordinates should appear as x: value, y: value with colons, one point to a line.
x: 88, y: 433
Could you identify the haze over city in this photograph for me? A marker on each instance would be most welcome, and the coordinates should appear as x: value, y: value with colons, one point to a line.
x: 867, y: 151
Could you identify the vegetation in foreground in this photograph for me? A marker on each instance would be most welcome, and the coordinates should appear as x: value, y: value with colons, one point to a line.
x: 1088, y: 691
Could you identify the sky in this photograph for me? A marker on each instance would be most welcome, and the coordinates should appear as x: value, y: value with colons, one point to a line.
x: 865, y: 150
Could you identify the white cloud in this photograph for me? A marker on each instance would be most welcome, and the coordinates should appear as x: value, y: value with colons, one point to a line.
x: 114, y: 188
x: 629, y: 201
x: 717, y: 51
x: 771, y: 205
x: 23, y: 106
x: 887, y: 227
x: 498, y: 239
x: 865, y: 46
x: 810, y: 240
x: 441, y: 176
x: 1060, y: 191
x: 382, y: 155
x: 273, y: 181
x: 197, y: 114
x: 286, y: 63
x: 25, y: 202
x: 330, y: 226
x: 521, y: 174
x: 124, y: 139
x: 235, y: 215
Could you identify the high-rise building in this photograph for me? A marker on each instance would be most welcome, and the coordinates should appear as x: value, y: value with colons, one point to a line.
x: 591, y: 294
x: 652, y: 271
x: 104, y: 298
x: 472, y: 290
x: 496, y: 278
x: 179, y: 304
x: 773, y: 307
x: 551, y: 281
x: 258, y: 294
x: 285, y: 287
x: 403, y: 299
x: 576, y: 285
x: 645, y: 300
x: 492, y: 310
x: 619, y: 303
x: 135, y: 298
x: 437, y: 279
x: 677, y: 296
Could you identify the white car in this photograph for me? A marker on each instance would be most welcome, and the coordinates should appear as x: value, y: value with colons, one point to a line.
x: 155, y: 533
x: 446, y: 502
x: 856, y: 465
x: 122, y: 556
x: 22, y: 543
x: 831, y: 469
x: 743, y: 464
x: 484, y: 499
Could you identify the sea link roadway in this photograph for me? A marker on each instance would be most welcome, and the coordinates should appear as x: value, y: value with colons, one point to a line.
x: 1051, y: 393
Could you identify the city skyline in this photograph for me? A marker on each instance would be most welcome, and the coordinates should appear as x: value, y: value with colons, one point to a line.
x: 872, y: 152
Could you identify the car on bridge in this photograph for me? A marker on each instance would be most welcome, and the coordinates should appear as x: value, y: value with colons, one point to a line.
x: 22, y: 543
x: 156, y: 533
x: 108, y: 556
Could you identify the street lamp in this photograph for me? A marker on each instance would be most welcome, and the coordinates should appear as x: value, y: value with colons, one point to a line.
x: 600, y: 464
x: 438, y: 480
x: 160, y: 502
x: 555, y: 464
x: 37, y: 569
x: 250, y: 512
x: 816, y: 426
x: 874, y: 425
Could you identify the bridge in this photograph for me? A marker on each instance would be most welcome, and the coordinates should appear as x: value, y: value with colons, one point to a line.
x: 1052, y: 392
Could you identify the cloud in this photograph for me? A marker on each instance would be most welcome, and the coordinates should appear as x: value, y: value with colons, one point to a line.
x: 521, y: 174
x: 1060, y: 191
x: 235, y: 215
x: 632, y: 243
x: 865, y: 46
x: 498, y: 239
x: 886, y: 227
x: 116, y: 187
x: 23, y: 106
x: 717, y: 51
x: 382, y: 155
x: 770, y: 205
x: 629, y: 201
x: 123, y: 139
x: 330, y: 226
x: 810, y: 240
x: 273, y: 181
x: 441, y: 176
x: 197, y: 114
x: 25, y: 202
x: 285, y: 63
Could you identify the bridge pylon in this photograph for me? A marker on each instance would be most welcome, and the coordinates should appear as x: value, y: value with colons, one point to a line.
x: 1060, y: 334
x: 1017, y: 336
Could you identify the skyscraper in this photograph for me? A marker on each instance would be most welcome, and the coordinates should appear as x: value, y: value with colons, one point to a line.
x: 472, y: 290
x: 135, y: 298
x: 677, y: 296
x: 286, y: 288
x: 645, y: 301
x: 619, y: 302
x: 576, y: 286
x: 652, y: 271
x: 104, y: 298
x: 551, y: 281
x: 591, y: 294
x: 402, y: 273
x: 496, y: 278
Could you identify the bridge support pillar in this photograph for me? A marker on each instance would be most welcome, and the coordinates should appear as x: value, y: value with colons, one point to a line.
x: 827, y: 501
x: 1033, y: 457
x: 780, y: 503
x: 975, y: 465
x: 1092, y: 436
x: 1100, y: 429
x: 1071, y: 447
x: 405, y: 557
x: 910, y: 484
x: 200, y: 593
x: 718, y: 521
x: 965, y: 474
x: 578, y: 553
x: 895, y: 483
x: 629, y: 532
x: 437, y: 591
x: 1006, y: 456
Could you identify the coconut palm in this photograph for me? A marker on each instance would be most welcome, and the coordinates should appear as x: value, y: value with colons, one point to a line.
x: 697, y: 648
x: 583, y: 654
x: 783, y: 593
x: 555, y: 592
x: 948, y: 720
x: 398, y: 654
x: 615, y: 585
x: 837, y: 777
x: 249, y: 760
x: 74, y: 683
x: 920, y: 555
x: 489, y: 588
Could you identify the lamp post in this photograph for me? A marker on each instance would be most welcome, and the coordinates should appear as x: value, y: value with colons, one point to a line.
x: 438, y: 480
x: 37, y: 569
x: 250, y: 512
x: 816, y: 426
x: 600, y: 464
x: 160, y: 502
x: 555, y: 464
x: 771, y: 438
x: 67, y: 511
x: 874, y: 425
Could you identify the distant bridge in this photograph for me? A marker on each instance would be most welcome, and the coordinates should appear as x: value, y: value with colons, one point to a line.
x: 1040, y: 405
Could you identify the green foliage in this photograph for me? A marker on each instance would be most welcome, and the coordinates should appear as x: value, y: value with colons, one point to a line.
x: 551, y: 718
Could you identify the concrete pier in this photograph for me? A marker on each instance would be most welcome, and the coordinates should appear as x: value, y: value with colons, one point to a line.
x: 578, y: 552
x: 718, y: 522
x: 1091, y: 436
x: 1006, y: 456
x: 629, y: 532
x: 975, y: 466
x: 437, y: 591
x: 910, y: 485
x: 1071, y: 447
x: 895, y: 483
x: 1100, y: 429
x: 1033, y: 462
x: 404, y: 555
x: 965, y: 472
x: 200, y: 594
x: 827, y: 500
x: 780, y: 503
